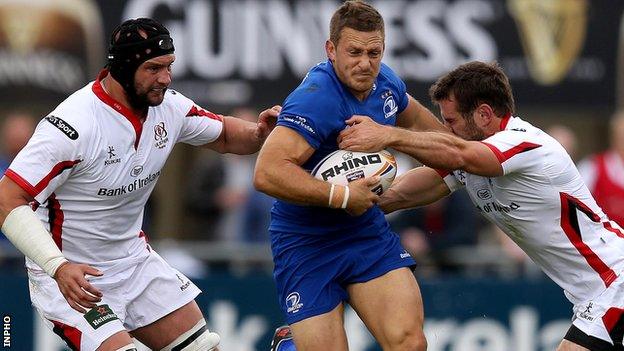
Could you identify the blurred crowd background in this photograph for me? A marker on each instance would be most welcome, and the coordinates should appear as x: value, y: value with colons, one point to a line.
x: 564, y: 58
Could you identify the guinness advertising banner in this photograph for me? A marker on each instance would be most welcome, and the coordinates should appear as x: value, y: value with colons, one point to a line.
x: 560, y: 53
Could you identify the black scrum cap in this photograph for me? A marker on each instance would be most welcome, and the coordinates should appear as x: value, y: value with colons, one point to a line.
x: 134, y: 42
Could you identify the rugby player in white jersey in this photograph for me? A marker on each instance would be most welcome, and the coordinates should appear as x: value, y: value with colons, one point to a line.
x: 522, y: 180
x: 72, y: 201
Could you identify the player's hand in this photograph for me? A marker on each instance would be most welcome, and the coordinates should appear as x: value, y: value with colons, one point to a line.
x: 363, y: 134
x: 266, y: 121
x: 361, y: 198
x: 76, y: 289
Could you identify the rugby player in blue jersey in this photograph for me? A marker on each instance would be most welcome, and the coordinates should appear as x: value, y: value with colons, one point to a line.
x: 332, y: 245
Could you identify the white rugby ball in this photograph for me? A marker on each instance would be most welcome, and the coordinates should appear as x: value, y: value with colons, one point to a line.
x: 341, y: 167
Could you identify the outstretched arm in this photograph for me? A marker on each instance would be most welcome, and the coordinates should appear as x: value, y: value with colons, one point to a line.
x: 417, y: 187
x: 434, y: 149
x: 243, y: 137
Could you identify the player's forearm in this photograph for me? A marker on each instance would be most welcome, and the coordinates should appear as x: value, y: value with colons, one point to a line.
x: 287, y: 181
x: 240, y: 137
x: 433, y: 149
x: 28, y: 235
x: 418, y: 187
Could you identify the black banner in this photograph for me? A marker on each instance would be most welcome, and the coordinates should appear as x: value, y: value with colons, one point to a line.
x: 252, y: 52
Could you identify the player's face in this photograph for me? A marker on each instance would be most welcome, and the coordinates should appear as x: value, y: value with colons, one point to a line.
x: 152, y: 79
x: 464, y: 128
x: 357, y: 59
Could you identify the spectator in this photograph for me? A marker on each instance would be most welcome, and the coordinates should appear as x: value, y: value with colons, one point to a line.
x: 16, y: 130
x: 603, y: 172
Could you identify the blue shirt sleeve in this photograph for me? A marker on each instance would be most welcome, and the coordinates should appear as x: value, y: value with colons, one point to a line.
x: 315, y: 109
x: 399, y: 85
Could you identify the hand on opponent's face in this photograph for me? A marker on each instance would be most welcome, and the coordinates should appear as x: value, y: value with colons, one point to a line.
x: 363, y: 134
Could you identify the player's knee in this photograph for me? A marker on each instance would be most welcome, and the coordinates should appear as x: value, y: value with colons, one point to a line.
x: 408, y: 341
x: 199, y: 338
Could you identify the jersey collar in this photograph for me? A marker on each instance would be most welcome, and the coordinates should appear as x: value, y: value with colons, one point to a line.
x: 98, y: 90
x: 505, y: 121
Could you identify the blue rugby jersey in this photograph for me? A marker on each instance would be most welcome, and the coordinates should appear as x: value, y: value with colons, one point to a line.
x: 317, y: 109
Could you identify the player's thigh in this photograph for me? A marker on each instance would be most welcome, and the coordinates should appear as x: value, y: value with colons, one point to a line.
x: 164, y: 331
x: 321, y: 332
x: 390, y: 306
x: 100, y: 328
x: 567, y: 345
x: 115, y: 342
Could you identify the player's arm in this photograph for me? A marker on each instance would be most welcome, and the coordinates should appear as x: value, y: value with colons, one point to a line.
x: 417, y: 117
x: 417, y: 187
x: 243, y: 137
x: 434, y: 149
x: 22, y: 227
x: 278, y: 173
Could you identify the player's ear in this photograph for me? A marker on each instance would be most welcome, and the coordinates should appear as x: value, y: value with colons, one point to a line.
x: 484, y: 115
x: 330, y: 49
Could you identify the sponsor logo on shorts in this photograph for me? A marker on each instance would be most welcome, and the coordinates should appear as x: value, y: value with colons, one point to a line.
x: 100, y: 315
x: 63, y: 126
x: 185, y: 284
x: 405, y: 254
x: 293, y: 303
x: 587, y: 313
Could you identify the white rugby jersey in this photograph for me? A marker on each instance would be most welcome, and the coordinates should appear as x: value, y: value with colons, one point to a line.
x: 92, y: 165
x: 542, y: 204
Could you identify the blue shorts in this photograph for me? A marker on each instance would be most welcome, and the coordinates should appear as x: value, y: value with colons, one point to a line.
x: 312, y: 271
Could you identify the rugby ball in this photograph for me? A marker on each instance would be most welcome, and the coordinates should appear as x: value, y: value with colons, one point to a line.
x: 341, y: 167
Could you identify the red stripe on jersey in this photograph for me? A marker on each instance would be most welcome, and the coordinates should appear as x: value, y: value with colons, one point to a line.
x: 55, y: 218
x: 610, y: 228
x: 135, y: 120
x: 505, y: 121
x: 569, y: 224
x: 56, y: 170
x: 518, y: 149
x: 195, y: 111
x: 144, y: 236
x: 612, y: 317
x: 69, y: 334
x: 23, y: 183
x: 497, y: 152
x: 442, y: 172
x: 35, y: 190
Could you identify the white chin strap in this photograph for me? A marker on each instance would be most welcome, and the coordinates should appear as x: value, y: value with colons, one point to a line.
x: 199, y: 338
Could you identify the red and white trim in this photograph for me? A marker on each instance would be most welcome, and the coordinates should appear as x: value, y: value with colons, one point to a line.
x: 569, y: 224
x: 35, y: 190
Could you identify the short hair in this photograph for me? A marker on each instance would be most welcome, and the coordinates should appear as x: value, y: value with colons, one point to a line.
x: 357, y: 15
x: 475, y: 83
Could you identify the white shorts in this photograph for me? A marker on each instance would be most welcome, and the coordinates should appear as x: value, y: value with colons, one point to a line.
x: 134, y: 295
x: 601, y: 316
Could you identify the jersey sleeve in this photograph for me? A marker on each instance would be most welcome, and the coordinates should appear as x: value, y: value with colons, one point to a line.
x: 199, y: 126
x: 53, y: 152
x: 515, y: 150
x: 451, y: 179
x: 314, y: 110
x: 401, y: 88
